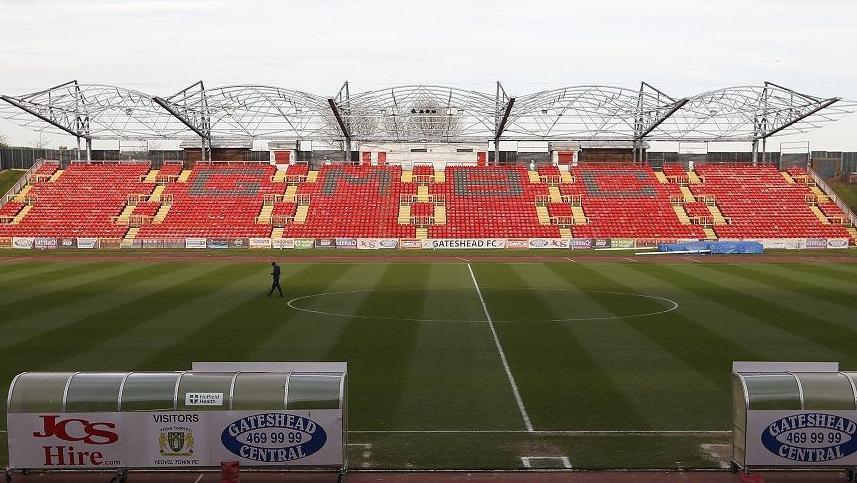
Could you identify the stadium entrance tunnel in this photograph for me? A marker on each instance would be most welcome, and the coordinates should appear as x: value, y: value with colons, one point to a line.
x: 503, y: 304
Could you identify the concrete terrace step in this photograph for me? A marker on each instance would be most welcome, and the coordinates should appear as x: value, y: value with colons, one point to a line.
x: 291, y: 193
x: 156, y: 193
x: 662, y: 178
x: 534, y: 176
x: 818, y: 214
x: 404, y: 215
x: 693, y: 178
x: 161, y: 214
x: 440, y: 215
x: 126, y: 213
x: 717, y: 215
x: 301, y: 213
x: 422, y: 193
x: 821, y: 195
x: 19, y: 198
x: 681, y: 214
x: 183, y: 177
x: 579, y: 215
x: 265, y: 214
x: 542, y: 213
x: 21, y: 214
x: 56, y: 175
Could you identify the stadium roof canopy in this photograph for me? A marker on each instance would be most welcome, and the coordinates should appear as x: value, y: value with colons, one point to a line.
x: 417, y: 113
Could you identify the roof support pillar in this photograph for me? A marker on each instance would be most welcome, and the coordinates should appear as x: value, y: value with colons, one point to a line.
x: 88, y: 149
x: 342, y: 127
x: 755, y: 152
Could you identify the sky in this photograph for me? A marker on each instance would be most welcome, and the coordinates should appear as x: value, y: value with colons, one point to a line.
x: 682, y: 47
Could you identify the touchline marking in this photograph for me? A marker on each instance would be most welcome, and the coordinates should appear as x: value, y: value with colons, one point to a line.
x: 201, y: 476
x: 547, y: 432
x: 570, y: 260
x: 630, y: 259
x: 515, y: 391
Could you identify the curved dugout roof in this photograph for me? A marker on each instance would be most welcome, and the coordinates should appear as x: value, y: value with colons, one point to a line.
x: 416, y: 113
x: 166, y: 391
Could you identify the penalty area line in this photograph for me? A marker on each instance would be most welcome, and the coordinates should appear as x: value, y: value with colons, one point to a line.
x: 515, y: 392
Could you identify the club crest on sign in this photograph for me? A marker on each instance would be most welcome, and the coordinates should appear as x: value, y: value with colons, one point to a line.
x: 176, y: 441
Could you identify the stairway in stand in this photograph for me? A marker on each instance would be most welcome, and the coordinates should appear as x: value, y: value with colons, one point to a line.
x: 161, y: 214
x: 156, y: 193
x: 22, y: 195
x: 404, y: 215
x: 126, y: 214
x: 440, y: 215
x: 681, y: 214
x: 818, y: 214
x: 579, y: 215
x: 542, y: 213
x: 301, y: 213
x: 534, y: 177
x: 717, y: 215
x: 693, y: 178
x: 21, y: 214
x: 265, y: 214
x: 130, y: 235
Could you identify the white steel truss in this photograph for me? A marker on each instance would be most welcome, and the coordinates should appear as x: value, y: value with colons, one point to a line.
x: 424, y: 113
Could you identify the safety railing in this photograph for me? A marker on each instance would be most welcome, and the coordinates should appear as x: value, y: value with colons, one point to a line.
x: 832, y: 195
x: 24, y: 180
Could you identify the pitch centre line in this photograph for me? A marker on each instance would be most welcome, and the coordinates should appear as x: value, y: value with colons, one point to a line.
x: 515, y: 391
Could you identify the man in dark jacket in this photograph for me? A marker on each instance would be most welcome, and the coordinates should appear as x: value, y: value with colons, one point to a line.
x: 275, y: 276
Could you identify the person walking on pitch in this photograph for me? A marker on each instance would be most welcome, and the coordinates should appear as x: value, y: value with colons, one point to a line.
x: 275, y: 279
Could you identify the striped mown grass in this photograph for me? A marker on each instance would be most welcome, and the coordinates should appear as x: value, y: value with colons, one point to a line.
x: 421, y: 354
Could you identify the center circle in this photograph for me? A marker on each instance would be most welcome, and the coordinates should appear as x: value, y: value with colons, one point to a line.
x: 515, y: 304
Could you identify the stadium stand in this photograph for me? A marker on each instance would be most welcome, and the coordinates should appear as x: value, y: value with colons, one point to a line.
x: 251, y: 199
x: 627, y: 201
x: 217, y: 200
x: 761, y: 203
x: 81, y: 201
x: 350, y: 201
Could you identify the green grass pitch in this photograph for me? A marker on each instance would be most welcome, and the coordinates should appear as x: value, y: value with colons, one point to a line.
x: 595, y: 348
